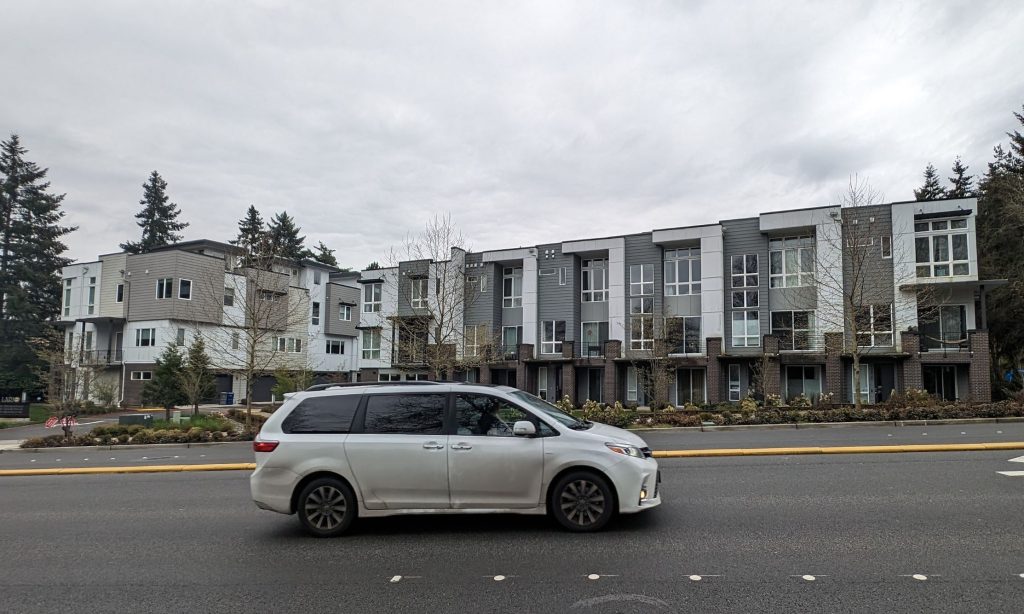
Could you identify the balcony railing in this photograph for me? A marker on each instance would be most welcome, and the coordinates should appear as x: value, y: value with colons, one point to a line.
x: 945, y: 342
x: 801, y: 341
x: 689, y: 347
x: 101, y: 357
x: 588, y: 349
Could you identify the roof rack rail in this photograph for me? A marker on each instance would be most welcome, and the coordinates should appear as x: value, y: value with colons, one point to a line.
x: 316, y: 387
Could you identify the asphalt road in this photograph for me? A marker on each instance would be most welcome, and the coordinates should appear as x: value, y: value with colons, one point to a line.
x: 659, y: 440
x: 755, y: 531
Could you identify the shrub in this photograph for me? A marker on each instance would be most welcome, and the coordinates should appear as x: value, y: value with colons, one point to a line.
x: 749, y: 403
x: 770, y: 400
x: 565, y: 404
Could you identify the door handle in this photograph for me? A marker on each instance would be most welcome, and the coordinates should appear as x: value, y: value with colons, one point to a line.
x: 461, y: 446
x: 433, y: 445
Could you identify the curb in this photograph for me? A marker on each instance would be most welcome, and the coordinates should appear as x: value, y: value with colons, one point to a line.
x: 136, y: 469
x: 823, y: 425
x: 956, y: 447
x: 128, y: 446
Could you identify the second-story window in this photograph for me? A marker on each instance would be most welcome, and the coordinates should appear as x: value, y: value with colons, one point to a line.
x: 229, y: 297
x: 315, y: 320
x: 335, y: 346
x: 744, y: 271
x: 641, y: 323
x: 793, y: 328
x: 940, y: 248
x: 641, y: 280
x: 791, y: 262
x: 372, y: 297
x: 316, y: 277
x: 345, y: 313
x: 552, y: 336
x: 236, y: 340
x: 474, y: 340
x: 119, y: 293
x: 874, y: 325
x: 682, y: 271
x: 145, y: 337
x: 512, y: 287
x: 595, y: 280
x: 67, y: 297
x: 371, y: 344
x: 165, y: 288
x: 185, y: 289
x: 418, y: 295
x: 746, y: 329
x: 91, y: 303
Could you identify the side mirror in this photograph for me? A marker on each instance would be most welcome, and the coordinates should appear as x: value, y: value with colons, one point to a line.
x: 524, y: 428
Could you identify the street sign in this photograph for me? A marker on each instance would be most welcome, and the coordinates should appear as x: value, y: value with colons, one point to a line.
x: 13, y: 404
x: 53, y: 421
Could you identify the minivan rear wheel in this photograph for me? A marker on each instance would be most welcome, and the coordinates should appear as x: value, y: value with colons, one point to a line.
x: 326, y: 507
x: 582, y: 501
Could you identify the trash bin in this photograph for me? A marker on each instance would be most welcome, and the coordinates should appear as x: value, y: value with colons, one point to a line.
x: 229, y: 398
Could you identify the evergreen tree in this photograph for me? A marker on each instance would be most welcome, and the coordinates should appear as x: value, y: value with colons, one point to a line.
x: 285, y: 241
x: 196, y: 376
x: 31, y: 259
x: 158, y: 218
x: 373, y: 266
x: 165, y: 388
x: 931, y: 190
x: 963, y: 184
x: 324, y: 254
x: 251, y: 231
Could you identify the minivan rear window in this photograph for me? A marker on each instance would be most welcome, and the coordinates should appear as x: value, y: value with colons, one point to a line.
x: 324, y: 414
x: 405, y: 414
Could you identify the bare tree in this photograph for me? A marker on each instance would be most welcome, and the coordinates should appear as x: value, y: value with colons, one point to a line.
x: 859, y: 269
x: 431, y: 294
x: 654, y: 359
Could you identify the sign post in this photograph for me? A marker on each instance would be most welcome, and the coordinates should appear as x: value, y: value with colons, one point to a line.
x: 13, y: 404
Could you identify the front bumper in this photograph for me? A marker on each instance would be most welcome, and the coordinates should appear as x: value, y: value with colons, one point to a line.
x: 638, y: 483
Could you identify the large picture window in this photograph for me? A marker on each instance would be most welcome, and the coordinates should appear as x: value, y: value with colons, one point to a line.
x: 641, y: 280
x: 418, y: 295
x: 746, y: 329
x: 791, y: 262
x: 744, y: 271
x: 874, y: 325
x: 683, y: 334
x: 940, y: 248
x: 552, y: 336
x: 795, y: 329
x: 641, y: 323
x: 690, y: 387
x: 595, y: 281
x: 371, y: 344
x: 682, y: 271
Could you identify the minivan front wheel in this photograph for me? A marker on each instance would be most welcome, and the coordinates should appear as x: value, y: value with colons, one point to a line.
x: 582, y: 501
x: 326, y: 507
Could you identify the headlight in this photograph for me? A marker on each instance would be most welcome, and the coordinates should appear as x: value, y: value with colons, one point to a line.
x: 625, y: 449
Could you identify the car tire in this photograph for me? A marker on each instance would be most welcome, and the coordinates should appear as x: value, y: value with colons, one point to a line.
x: 326, y: 507
x: 582, y: 501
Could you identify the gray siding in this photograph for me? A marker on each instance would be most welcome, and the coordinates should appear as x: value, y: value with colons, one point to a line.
x: 556, y: 302
x: 406, y: 272
x: 205, y: 272
x: 793, y: 299
x: 744, y: 237
x: 110, y: 277
x: 867, y: 277
x: 483, y: 307
x: 338, y: 295
x: 639, y: 249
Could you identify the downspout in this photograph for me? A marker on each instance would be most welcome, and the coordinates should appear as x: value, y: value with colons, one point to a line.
x: 127, y: 309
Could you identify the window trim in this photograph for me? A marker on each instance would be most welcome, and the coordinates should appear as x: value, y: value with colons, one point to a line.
x: 165, y: 286
x: 672, y: 259
x: 949, y: 233
x: 375, y: 291
x: 554, y: 344
x: 746, y: 337
x: 314, y: 317
x: 228, y: 297
x: 592, y: 271
x: 370, y: 351
x: 342, y: 311
x: 885, y: 245
x: 119, y: 293
x: 793, y: 330
x: 419, y: 299
x: 151, y: 337
x: 645, y: 319
x: 744, y: 275
x: 141, y: 376
x: 873, y: 332
x: 330, y: 343
x: 509, y: 297
x: 180, y: 282
x: 637, y: 288
x: 803, y: 278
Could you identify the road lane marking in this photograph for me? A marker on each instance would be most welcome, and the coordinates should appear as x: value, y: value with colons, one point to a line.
x: 919, y: 576
x: 499, y: 578
x: 1019, y: 459
x: 953, y: 447
x: 594, y: 576
x: 1012, y: 474
x: 809, y: 578
x: 396, y: 579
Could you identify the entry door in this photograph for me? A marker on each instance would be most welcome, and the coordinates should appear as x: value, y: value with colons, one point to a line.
x: 400, y: 459
x: 489, y: 467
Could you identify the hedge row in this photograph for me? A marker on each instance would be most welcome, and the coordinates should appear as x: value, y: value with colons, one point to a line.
x: 205, y: 429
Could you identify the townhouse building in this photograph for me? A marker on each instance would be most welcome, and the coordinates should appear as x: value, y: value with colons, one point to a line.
x: 780, y: 303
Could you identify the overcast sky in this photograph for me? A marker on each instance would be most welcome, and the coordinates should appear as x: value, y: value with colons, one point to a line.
x: 529, y: 121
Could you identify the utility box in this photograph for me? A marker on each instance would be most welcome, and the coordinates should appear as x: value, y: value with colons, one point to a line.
x: 143, y: 419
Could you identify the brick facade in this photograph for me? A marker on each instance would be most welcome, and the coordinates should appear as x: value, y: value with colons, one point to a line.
x: 772, y: 377
x: 834, y: 366
x: 981, y: 367
x: 714, y: 371
x: 609, y: 386
x: 912, y: 378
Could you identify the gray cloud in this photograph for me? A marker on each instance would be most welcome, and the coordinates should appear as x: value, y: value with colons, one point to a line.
x: 528, y: 121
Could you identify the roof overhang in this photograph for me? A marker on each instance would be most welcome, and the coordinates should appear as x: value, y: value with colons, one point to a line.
x: 982, y: 284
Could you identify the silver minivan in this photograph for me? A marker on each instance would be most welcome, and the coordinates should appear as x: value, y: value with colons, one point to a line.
x: 335, y: 453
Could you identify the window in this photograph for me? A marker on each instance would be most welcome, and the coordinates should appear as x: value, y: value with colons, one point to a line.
x: 562, y: 274
x: 418, y: 296
x: 641, y: 323
x: 91, y: 304
x: 886, y: 247
x: 389, y: 377
x: 164, y: 288
x: 632, y: 387
x: 229, y: 297
x: 142, y: 375
x: 744, y: 271
x: 88, y: 339
x: 119, y: 293
x: 641, y: 280
x: 70, y: 343
x: 803, y: 380
x: 405, y: 414
x: 479, y: 414
x: 511, y: 337
x: 315, y: 320
x: 682, y: 271
x: 940, y: 248
x: 371, y: 297
x: 288, y: 345
x: 345, y: 313
x: 331, y: 414
x: 690, y: 386
x: 67, y: 297
x: 595, y: 280
x: 734, y: 382
x: 235, y: 340
x: 542, y: 382
x: 553, y: 334
x: 185, y: 289
x: 316, y: 277
x: 874, y: 325
x: 944, y: 328
x: 335, y: 346
x: 791, y: 262
x: 794, y: 329
x: 746, y: 329
x: 745, y: 299
x: 145, y: 337
x: 269, y: 295
x: 683, y: 334
x: 179, y: 340
x: 475, y: 337
x: 371, y: 344
x: 592, y: 338
x: 512, y: 287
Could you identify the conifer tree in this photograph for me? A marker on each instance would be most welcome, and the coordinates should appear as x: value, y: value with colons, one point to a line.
x: 31, y: 259
x: 165, y: 388
x: 324, y: 254
x: 285, y: 241
x: 158, y: 218
x: 963, y: 184
x: 196, y: 376
x: 931, y: 190
x: 251, y: 231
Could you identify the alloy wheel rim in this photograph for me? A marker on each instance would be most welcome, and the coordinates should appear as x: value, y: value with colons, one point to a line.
x: 325, y: 508
x: 582, y: 502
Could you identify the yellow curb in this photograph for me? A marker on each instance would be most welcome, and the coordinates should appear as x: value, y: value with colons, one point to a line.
x: 953, y: 447
x: 135, y: 469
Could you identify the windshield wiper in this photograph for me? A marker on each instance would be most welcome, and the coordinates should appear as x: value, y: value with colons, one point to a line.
x: 582, y: 426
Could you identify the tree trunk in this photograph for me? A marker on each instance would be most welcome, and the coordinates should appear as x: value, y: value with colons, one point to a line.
x: 855, y: 384
x: 248, y: 402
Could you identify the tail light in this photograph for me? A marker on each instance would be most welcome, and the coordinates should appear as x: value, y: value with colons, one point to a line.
x: 264, y: 446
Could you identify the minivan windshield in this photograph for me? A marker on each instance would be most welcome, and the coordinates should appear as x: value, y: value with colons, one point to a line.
x: 550, y: 410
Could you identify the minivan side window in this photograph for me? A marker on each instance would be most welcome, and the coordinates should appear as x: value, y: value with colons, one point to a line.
x: 481, y: 414
x: 325, y: 414
x: 405, y: 414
